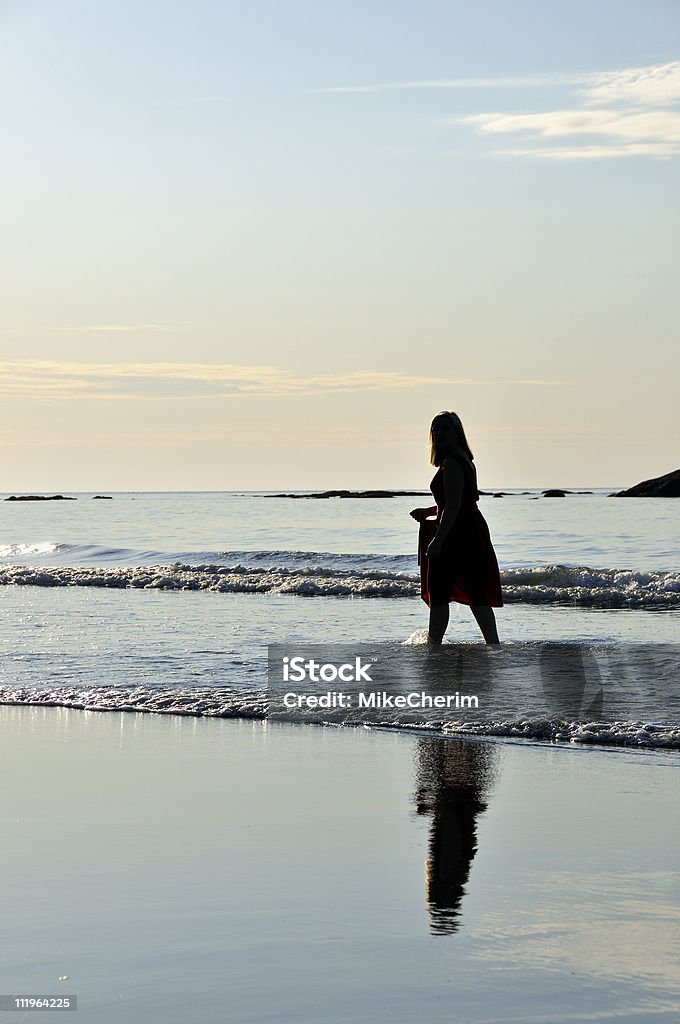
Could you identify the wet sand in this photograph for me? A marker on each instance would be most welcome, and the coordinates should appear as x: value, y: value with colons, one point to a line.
x: 173, y: 869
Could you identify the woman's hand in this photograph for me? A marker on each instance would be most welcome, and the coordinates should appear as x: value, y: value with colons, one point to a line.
x: 420, y: 514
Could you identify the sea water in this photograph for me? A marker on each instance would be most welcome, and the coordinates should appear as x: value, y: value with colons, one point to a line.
x: 168, y: 601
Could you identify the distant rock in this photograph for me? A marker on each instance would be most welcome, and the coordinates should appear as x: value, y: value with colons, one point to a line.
x: 351, y: 494
x: 499, y: 494
x: 667, y: 486
x: 555, y: 493
x: 39, y: 497
x: 102, y: 497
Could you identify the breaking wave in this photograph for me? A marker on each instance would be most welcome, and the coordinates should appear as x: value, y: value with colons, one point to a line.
x: 548, y: 585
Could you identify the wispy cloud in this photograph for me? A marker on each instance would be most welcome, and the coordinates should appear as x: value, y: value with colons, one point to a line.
x: 642, y: 126
x: 566, y: 153
x: 510, y: 82
x: 654, y: 85
x: 619, y: 132
x: 629, y: 113
x: 651, y: 85
x: 153, y: 381
x: 110, y: 328
x: 621, y: 113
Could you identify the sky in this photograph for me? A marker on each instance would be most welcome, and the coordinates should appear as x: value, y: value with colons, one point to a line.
x: 260, y: 244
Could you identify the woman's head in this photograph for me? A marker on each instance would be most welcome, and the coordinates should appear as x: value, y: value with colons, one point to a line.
x: 447, y: 436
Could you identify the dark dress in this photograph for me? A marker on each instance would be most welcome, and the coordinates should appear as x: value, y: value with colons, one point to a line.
x: 466, y: 570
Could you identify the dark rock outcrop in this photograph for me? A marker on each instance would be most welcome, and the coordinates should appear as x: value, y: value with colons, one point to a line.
x: 102, y: 497
x: 667, y: 486
x: 351, y: 494
x: 39, y: 497
x: 555, y: 492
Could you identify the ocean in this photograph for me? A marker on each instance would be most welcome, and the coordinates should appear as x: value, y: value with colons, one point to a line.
x: 167, y: 602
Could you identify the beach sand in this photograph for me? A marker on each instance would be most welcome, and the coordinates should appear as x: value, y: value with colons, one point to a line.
x: 179, y: 869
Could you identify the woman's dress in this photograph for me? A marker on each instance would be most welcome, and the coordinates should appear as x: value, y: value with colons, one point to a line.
x: 466, y: 570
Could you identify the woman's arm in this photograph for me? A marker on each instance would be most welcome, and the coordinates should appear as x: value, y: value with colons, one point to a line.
x: 454, y: 480
x: 423, y: 513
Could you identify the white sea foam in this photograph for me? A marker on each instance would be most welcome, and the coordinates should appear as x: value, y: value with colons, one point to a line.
x: 550, y: 585
x: 587, y: 693
x: 28, y: 550
x: 237, y: 702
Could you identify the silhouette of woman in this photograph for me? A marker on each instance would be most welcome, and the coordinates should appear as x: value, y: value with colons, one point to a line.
x: 456, y: 557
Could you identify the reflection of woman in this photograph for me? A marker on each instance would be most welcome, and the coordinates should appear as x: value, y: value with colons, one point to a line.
x: 451, y: 782
x: 457, y: 559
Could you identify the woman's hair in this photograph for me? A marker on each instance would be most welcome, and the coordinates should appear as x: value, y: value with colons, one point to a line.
x: 437, y: 450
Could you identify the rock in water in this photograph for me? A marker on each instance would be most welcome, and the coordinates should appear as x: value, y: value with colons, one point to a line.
x: 555, y: 492
x: 667, y: 486
x: 39, y: 497
x: 350, y: 494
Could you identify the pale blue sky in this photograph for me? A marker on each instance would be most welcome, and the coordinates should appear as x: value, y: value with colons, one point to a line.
x: 261, y: 244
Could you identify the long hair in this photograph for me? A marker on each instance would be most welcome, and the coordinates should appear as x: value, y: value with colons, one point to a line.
x: 437, y: 450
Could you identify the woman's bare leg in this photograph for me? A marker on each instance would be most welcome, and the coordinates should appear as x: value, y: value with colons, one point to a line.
x: 439, y: 620
x: 486, y: 620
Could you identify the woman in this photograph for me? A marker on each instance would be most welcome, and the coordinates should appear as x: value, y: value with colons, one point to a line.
x: 455, y: 554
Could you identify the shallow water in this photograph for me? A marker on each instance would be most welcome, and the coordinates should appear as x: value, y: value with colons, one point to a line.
x: 639, y: 534
x: 167, y: 602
